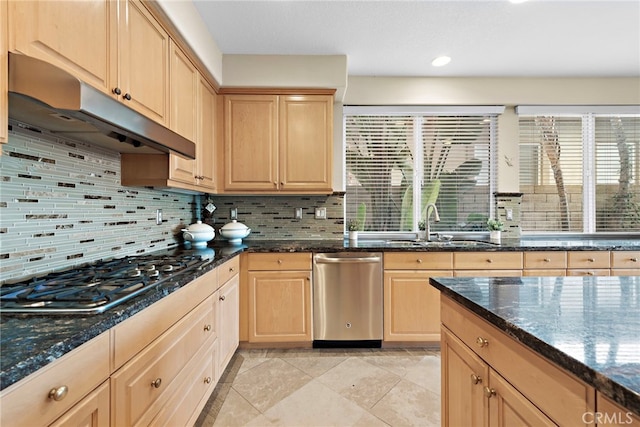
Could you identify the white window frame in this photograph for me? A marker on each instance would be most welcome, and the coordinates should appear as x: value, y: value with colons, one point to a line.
x: 418, y: 112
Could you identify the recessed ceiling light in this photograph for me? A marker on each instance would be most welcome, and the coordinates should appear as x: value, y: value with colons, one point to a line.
x: 441, y: 61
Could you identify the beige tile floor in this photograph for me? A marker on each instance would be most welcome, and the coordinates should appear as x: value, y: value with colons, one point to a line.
x: 327, y: 387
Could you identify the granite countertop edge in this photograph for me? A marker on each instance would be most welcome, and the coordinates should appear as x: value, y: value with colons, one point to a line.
x: 602, y: 383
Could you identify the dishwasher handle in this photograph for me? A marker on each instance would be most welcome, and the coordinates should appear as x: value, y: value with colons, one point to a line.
x: 328, y: 259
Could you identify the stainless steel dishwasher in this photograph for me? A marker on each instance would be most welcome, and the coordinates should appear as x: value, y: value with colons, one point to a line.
x: 347, y: 299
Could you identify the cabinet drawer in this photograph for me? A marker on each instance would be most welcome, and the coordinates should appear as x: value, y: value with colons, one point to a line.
x: 135, y: 333
x: 588, y: 272
x: 133, y: 389
x: 558, y: 394
x: 588, y: 259
x: 279, y: 261
x: 487, y: 260
x: 545, y: 260
x: 418, y: 261
x: 189, y: 398
x: 625, y: 259
x: 227, y: 270
x: 27, y: 402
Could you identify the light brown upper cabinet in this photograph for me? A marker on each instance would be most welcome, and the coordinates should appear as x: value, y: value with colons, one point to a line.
x: 278, y: 142
x: 117, y: 47
x: 173, y: 170
x: 143, y: 62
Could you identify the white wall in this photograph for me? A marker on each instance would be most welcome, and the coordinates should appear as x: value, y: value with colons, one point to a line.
x: 189, y: 23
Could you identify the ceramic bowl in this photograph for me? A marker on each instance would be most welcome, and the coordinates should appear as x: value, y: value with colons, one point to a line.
x: 234, y: 232
x: 198, y: 234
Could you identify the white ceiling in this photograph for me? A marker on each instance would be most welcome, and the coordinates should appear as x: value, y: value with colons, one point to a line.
x: 539, y: 38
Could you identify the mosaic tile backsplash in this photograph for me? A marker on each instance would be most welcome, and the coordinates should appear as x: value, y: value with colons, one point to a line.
x: 62, y: 205
x: 273, y: 217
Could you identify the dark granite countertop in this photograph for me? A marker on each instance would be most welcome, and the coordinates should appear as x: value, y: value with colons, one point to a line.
x: 29, y: 342
x: 466, y: 245
x: 590, y: 326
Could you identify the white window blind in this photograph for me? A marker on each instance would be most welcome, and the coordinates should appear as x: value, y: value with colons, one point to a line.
x: 397, y: 163
x: 579, y: 173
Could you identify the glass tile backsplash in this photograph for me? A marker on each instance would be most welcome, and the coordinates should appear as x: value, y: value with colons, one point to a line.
x: 62, y: 205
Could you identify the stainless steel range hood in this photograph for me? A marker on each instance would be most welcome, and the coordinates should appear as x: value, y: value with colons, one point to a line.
x: 47, y: 97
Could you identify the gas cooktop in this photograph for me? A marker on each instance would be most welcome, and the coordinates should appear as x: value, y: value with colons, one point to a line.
x: 96, y: 287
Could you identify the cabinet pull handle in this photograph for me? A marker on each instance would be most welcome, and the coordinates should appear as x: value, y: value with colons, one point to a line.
x: 117, y: 90
x: 590, y: 259
x: 590, y: 273
x: 58, y: 393
x: 546, y: 260
x: 482, y: 342
x: 633, y: 259
x: 279, y: 261
x: 419, y: 260
x: 156, y: 383
x: 476, y: 379
x: 207, y: 380
x: 489, y: 260
x: 207, y: 328
x: 127, y: 96
x: 231, y: 269
x: 489, y: 392
x: 221, y: 297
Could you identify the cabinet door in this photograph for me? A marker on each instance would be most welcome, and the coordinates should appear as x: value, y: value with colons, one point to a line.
x: 206, y: 141
x: 143, y: 61
x: 411, y: 306
x: 92, y: 411
x: 279, y: 306
x: 73, y: 35
x: 183, y: 118
x: 228, y: 321
x: 251, y: 142
x: 306, y: 142
x: 508, y: 407
x: 463, y: 376
x: 183, y: 96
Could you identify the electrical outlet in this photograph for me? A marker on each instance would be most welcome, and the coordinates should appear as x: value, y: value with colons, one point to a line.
x: 234, y: 213
x: 297, y: 214
x: 509, y: 214
x: 158, y: 216
x: 321, y: 213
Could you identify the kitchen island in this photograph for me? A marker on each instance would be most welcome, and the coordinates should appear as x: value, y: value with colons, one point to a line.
x: 562, y: 347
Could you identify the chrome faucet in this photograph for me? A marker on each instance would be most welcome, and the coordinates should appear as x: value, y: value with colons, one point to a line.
x: 436, y: 218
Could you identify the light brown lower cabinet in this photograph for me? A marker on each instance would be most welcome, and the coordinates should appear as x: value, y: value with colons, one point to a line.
x: 148, y: 382
x: 412, y: 305
x: 489, y: 379
x: 473, y: 394
x: 227, y: 315
x: 92, y: 411
x: 610, y: 414
x: 279, y: 297
x: 157, y: 367
x: 63, y: 388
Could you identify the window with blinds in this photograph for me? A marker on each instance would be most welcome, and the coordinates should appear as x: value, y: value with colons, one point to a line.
x: 579, y: 173
x: 396, y: 164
